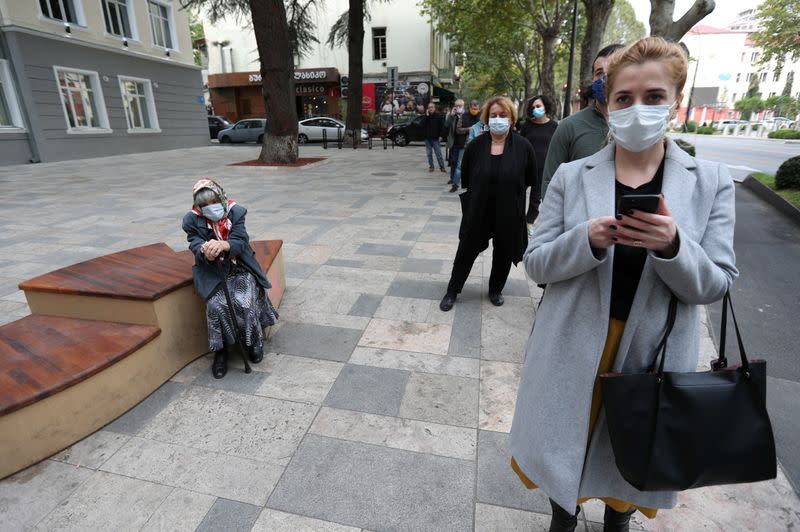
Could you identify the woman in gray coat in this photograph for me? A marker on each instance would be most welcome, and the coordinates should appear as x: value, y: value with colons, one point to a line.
x: 609, y: 280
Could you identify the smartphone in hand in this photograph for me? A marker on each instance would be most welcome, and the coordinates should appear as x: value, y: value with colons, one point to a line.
x: 638, y: 202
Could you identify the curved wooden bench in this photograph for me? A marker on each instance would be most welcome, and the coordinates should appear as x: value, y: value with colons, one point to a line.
x: 114, y: 329
x: 63, y: 378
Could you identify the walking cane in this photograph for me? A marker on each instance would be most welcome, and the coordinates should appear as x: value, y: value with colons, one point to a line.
x: 232, y: 313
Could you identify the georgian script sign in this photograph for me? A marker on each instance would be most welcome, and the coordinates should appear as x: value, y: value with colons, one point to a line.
x: 302, y: 75
x: 324, y: 75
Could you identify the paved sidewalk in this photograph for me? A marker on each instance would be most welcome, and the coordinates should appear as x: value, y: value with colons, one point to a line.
x: 373, y: 410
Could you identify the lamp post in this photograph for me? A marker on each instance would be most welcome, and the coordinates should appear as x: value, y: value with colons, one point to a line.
x: 568, y: 95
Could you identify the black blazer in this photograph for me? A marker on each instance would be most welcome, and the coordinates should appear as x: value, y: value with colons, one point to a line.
x: 518, y: 172
x: 206, y: 278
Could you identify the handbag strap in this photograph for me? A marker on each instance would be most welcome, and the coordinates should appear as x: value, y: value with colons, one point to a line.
x: 661, y: 348
x: 722, y: 361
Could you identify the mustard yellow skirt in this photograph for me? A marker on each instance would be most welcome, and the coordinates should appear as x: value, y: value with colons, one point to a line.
x: 615, y: 330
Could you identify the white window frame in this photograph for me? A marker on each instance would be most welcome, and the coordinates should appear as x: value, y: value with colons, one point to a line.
x: 149, y: 101
x: 131, y: 21
x: 170, y: 21
x: 385, y: 37
x: 77, y: 6
x: 100, y: 103
x: 10, y: 95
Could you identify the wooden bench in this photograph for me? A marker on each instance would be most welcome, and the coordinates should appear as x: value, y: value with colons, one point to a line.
x: 111, y: 331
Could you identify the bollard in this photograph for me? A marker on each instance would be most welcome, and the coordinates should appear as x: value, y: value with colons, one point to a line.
x: 324, y: 138
x: 385, y: 143
x: 369, y: 141
x: 339, y: 138
x: 356, y: 139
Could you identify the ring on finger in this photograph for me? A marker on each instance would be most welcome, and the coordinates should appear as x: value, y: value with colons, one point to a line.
x: 637, y: 243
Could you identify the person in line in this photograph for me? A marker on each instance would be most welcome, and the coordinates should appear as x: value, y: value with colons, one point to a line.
x: 538, y: 128
x: 216, y: 232
x: 585, y: 132
x: 610, y: 277
x: 433, y: 123
x: 463, y: 127
x: 455, y: 143
x: 497, y: 169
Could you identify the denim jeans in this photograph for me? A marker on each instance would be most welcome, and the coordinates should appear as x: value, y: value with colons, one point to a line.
x: 456, y: 153
x: 433, y: 145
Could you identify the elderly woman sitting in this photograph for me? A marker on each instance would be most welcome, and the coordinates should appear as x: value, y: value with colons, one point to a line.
x: 216, y: 232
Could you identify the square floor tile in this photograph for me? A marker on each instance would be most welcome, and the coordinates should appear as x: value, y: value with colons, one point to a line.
x: 407, y: 336
x: 441, y: 399
x: 389, y: 250
x: 298, y: 378
x: 499, y: 385
x: 182, y: 511
x: 368, y: 389
x: 230, y: 516
x: 315, y: 341
x: 132, y: 421
x: 275, y: 521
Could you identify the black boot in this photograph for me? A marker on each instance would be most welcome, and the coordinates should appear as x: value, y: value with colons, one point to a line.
x: 256, y: 355
x: 220, y: 366
x: 614, y: 521
x: 562, y: 520
x: 448, y: 301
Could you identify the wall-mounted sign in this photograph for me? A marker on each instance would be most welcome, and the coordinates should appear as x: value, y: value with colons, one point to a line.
x: 310, y: 75
x: 309, y: 90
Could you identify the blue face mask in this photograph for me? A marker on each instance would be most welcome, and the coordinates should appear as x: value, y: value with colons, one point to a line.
x: 499, y: 125
x: 537, y: 112
x: 214, y: 212
x: 599, y: 90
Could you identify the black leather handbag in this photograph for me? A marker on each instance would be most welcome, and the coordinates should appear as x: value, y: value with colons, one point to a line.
x: 675, y: 431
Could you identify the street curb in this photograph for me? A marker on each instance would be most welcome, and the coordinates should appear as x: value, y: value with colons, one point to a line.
x: 767, y: 194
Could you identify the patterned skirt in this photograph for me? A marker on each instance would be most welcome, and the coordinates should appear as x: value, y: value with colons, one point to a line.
x: 254, y: 312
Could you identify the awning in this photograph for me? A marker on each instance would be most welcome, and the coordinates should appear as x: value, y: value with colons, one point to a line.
x: 444, y: 95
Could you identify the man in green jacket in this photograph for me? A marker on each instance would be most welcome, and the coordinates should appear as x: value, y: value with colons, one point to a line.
x: 584, y: 133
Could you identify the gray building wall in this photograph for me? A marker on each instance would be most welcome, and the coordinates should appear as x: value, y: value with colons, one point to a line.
x: 14, y: 145
x: 177, y: 91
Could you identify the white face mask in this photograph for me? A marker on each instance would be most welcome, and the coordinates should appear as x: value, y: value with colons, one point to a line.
x: 498, y: 125
x: 638, y: 127
x: 214, y: 212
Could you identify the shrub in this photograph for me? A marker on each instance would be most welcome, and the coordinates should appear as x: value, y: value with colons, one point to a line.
x: 788, y: 175
x: 705, y: 130
x: 788, y: 134
x: 691, y: 126
x: 686, y: 146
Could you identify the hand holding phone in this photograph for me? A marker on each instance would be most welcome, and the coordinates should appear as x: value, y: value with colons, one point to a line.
x: 644, y: 221
x: 638, y: 202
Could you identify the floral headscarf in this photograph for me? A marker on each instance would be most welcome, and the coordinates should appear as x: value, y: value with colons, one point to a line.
x: 222, y: 228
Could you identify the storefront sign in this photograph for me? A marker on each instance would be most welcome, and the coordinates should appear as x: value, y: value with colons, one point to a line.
x: 303, y: 75
x: 309, y: 90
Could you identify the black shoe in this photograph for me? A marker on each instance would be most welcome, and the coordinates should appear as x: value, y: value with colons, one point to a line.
x: 449, y: 182
x: 454, y: 188
x: 430, y: 169
x: 442, y: 170
x: 255, y: 354
x: 496, y: 299
x: 448, y: 301
x: 614, y: 521
x: 562, y: 521
x: 220, y: 366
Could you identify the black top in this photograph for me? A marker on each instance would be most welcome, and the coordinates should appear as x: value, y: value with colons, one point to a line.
x: 629, y: 261
x: 539, y: 136
x: 434, y: 126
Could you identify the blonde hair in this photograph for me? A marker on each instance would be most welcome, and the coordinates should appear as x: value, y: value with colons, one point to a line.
x: 507, y: 105
x: 658, y: 49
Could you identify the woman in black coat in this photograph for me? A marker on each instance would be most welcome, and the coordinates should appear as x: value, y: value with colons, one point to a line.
x: 495, y: 171
x: 538, y: 128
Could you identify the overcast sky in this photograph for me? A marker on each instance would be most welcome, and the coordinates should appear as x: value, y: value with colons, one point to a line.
x: 723, y: 14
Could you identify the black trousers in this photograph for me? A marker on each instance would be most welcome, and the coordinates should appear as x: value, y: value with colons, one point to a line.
x: 465, y: 258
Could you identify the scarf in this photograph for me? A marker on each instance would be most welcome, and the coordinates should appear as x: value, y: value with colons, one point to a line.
x: 221, y: 228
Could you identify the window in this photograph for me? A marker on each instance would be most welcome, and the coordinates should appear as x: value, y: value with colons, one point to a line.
x: 744, y: 54
x: 749, y: 76
x: 771, y: 94
x: 63, y: 10
x: 118, y: 17
x: 378, y: 43
x: 82, y: 100
x: 10, y: 116
x: 776, y: 76
x: 754, y: 57
x: 733, y: 99
x: 762, y: 76
x: 738, y: 77
x: 140, y: 109
x: 160, y: 23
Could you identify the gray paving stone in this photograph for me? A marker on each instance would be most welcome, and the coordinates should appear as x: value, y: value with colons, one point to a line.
x: 299, y: 270
x: 368, y: 389
x: 315, y: 341
x: 236, y: 380
x: 444, y: 218
x: 360, y: 202
x: 422, y: 265
x: 376, y: 488
x: 497, y: 482
x: 134, y: 420
x: 28, y: 496
x: 514, y: 287
x: 442, y: 399
x: 410, y: 235
x: 181, y: 511
x: 387, y: 250
x: 417, y: 289
x: 366, y: 305
x: 413, y: 210
x: 94, y: 450
x: 346, y: 263
x: 465, y: 340
x: 230, y: 516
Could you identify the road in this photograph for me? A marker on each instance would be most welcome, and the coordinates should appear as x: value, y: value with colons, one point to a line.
x: 767, y: 293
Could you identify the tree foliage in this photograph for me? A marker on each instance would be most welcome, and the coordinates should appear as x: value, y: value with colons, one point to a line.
x: 748, y: 106
x: 779, y: 32
x: 623, y: 27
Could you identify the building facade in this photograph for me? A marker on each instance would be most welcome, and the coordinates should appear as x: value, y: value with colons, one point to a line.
x: 91, y: 78
x: 724, y: 63
x: 397, y: 35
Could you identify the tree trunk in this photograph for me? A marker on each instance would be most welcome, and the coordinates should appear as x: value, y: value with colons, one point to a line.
x: 662, y: 11
x: 355, y: 52
x: 547, y: 81
x: 596, y: 13
x: 277, y: 80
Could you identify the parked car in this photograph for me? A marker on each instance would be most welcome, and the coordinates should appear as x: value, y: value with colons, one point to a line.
x: 249, y: 130
x: 311, y: 129
x: 721, y: 124
x: 778, y: 122
x: 405, y: 132
x: 217, y: 124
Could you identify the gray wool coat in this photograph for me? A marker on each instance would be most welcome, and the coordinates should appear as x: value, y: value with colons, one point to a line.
x: 550, y: 427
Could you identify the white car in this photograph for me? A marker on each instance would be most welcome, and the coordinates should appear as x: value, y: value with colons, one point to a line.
x: 311, y: 129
